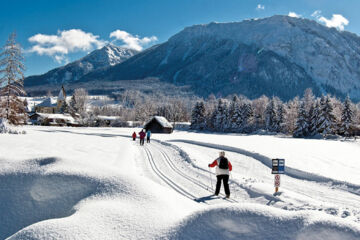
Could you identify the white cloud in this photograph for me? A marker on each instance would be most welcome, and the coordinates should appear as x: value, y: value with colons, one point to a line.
x: 64, y: 42
x: 293, y: 14
x: 337, y: 20
x: 260, y: 7
x: 131, y: 41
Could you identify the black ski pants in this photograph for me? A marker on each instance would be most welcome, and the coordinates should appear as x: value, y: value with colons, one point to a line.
x: 142, y: 141
x: 148, y: 139
x: 225, y: 179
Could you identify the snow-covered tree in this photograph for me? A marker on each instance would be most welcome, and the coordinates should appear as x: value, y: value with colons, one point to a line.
x: 346, y: 117
x: 270, y: 116
x: 247, y: 114
x: 292, y: 109
x: 308, y: 99
x: 280, y: 120
x: 232, y: 115
x: 81, y: 99
x: 301, y: 127
x: 327, y: 122
x: 259, y: 106
x: 12, y: 82
x: 198, y: 116
x: 220, y: 115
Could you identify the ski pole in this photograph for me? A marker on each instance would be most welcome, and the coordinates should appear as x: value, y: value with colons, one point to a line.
x: 211, y: 179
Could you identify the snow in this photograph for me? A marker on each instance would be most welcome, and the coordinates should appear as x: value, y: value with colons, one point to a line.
x: 96, y: 183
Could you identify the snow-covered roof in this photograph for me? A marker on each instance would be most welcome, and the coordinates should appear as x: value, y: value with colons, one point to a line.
x: 162, y: 121
x: 48, y: 102
x: 110, y: 118
x: 66, y: 117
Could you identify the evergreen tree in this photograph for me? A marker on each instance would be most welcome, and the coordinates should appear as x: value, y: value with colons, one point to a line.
x: 280, y: 114
x: 198, y: 120
x: 12, y: 82
x: 301, y: 127
x: 247, y: 114
x: 220, y: 115
x: 270, y: 116
x: 346, y: 117
x: 326, y: 124
x: 232, y: 114
x: 64, y: 108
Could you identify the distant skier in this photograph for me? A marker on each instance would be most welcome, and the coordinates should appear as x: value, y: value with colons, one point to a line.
x: 148, y: 135
x: 223, y: 168
x: 134, y: 136
x: 142, y: 137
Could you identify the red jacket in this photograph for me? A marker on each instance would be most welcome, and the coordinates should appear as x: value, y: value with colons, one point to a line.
x: 134, y: 135
x: 215, y: 163
x: 142, y: 135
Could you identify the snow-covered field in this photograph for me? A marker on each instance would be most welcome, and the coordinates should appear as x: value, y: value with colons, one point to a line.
x: 96, y: 183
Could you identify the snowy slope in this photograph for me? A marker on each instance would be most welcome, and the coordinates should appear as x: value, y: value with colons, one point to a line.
x: 96, y: 183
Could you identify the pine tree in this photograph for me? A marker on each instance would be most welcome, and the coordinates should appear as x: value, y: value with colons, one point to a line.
x: 326, y: 124
x: 198, y: 120
x: 346, y: 117
x: 270, y: 116
x: 314, y: 119
x: 280, y: 114
x: 12, y: 82
x: 301, y: 127
x: 220, y: 115
x: 64, y: 108
x: 232, y: 114
x: 247, y: 113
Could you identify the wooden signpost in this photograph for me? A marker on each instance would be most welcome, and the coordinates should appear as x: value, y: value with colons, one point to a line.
x: 278, y: 167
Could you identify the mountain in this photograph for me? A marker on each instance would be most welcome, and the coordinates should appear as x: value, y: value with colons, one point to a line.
x: 279, y: 55
x: 102, y: 58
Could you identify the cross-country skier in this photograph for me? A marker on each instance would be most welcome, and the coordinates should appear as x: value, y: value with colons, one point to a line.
x: 134, y: 136
x: 223, y: 168
x: 148, y: 135
x: 142, y: 137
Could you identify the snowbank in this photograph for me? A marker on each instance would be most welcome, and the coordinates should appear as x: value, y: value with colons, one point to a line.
x: 255, y: 222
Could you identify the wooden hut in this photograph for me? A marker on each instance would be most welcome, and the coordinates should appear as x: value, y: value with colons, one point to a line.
x: 158, y: 124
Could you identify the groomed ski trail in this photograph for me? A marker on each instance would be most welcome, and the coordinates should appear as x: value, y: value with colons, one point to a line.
x: 191, y: 183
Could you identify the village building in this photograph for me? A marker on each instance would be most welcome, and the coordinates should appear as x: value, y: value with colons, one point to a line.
x: 51, y: 119
x: 51, y: 104
x: 158, y: 124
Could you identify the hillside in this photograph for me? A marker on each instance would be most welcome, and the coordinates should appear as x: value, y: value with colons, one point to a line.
x: 279, y: 55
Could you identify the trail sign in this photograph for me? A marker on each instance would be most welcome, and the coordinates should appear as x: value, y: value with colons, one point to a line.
x: 278, y: 166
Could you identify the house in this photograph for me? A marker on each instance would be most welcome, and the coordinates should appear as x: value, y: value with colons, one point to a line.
x: 50, y: 119
x: 158, y: 124
x: 51, y: 104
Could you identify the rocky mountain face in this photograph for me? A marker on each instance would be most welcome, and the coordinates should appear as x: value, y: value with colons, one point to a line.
x: 279, y: 55
x: 72, y: 72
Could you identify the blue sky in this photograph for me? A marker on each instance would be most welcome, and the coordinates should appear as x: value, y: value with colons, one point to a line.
x: 54, y: 32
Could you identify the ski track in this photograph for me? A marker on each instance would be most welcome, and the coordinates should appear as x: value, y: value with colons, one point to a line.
x: 253, y: 193
x: 165, y: 168
x: 291, y: 172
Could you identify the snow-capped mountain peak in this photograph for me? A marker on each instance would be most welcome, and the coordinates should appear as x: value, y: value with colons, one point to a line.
x: 104, y: 57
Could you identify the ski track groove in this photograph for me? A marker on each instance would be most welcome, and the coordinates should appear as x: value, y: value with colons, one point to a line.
x: 189, y: 178
x: 162, y: 176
